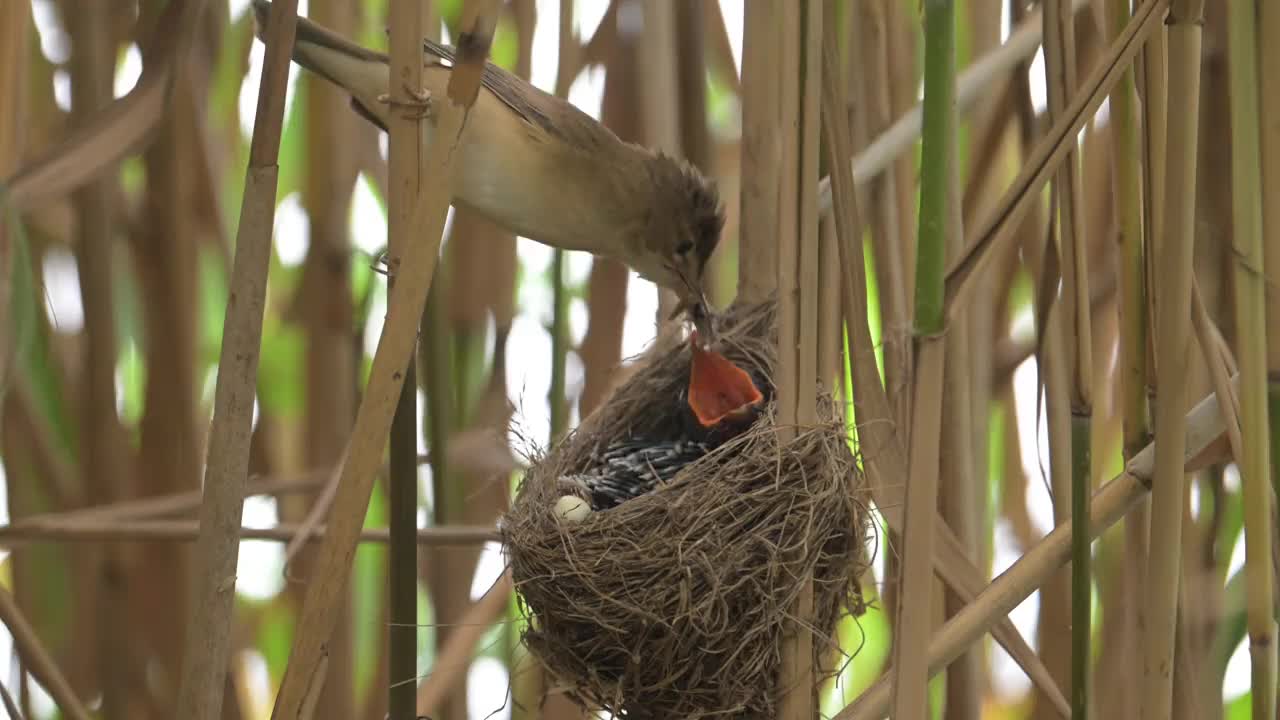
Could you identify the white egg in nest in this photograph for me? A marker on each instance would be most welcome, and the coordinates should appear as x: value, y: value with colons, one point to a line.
x: 572, y: 508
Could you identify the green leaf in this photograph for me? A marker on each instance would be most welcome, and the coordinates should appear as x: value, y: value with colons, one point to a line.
x: 280, y: 384
x: 293, y: 141
x: 33, y: 358
x: 275, y: 636
x: 211, y: 299
x: 368, y: 595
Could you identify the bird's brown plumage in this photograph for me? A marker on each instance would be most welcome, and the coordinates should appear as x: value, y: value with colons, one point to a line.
x: 544, y: 169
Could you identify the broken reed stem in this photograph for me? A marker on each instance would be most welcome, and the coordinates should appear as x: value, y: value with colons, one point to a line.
x: 204, y: 663
x: 1173, y: 316
x: 387, y: 375
x: 938, y: 199
x: 37, y: 659
x: 405, y: 152
x: 103, y: 530
x: 1115, y: 498
x: 1251, y: 334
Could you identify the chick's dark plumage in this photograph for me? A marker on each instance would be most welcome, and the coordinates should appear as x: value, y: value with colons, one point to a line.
x: 631, y: 468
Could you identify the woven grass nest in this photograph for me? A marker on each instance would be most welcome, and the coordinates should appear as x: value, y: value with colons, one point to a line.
x: 672, y: 605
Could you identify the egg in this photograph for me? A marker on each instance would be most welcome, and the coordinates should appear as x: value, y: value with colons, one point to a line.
x: 572, y: 508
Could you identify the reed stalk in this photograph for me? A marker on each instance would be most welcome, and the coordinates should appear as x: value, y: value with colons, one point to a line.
x: 939, y: 202
x: 1269, y: 93
x: 1060, y: 62
x: 1251, y: 337
x: 1127, y: 168
x: 323, y: 299
x: 798, y: 292
x: 205, y: 658
x: 761, y: 162
x: 102, y: 459
x: 387, y: 374
x: 1173, y: 319
x: 557, y: 398
x: 404, y: 138
x: 1154, y: 83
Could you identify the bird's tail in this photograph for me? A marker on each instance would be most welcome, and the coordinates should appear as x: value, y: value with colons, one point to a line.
x: 363, y: 73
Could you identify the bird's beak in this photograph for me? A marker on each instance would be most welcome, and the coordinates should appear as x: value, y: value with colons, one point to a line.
x: 696, y: 307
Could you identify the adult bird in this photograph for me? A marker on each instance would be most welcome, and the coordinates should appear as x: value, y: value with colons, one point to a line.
x: 536, y: 165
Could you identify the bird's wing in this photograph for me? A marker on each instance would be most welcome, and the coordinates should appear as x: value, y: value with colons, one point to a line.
x: 526, y: 100
x: 543, y: 111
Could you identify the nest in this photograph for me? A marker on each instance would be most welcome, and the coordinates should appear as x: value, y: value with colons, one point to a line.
x: 673, y: 604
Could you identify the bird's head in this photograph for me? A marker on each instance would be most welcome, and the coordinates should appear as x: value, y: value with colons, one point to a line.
x: 681, y: 230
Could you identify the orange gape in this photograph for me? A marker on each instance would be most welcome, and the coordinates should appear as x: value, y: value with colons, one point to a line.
x: 718, y: 389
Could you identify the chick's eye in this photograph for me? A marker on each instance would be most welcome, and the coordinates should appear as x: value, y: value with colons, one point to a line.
x: 684, y: 247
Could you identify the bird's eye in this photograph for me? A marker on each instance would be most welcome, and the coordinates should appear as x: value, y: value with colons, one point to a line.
x: 684, y: 247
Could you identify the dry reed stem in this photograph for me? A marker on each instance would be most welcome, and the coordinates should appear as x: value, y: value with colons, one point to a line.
x: 96, y: 530
x: 387, y: 374
x: 1173, y: 319
x: 316, y: 513
x: 870, y: 92
x: 1060, y: 60
x: 1154, y: 84
x: 104, y: 455
x: 797, y: 312
x: 1213, y: 349
x: 404, y: 165
x: 204, y: 663
x: 964, y: 488
x: 879, y: 443
x: 453, y: 659
x: 1253, y: 454
x: 761, y: 151
x: 123, y: 128
x: 38, y: 660
x: 1000, y: 225
x: 939, y: 206
x: 1076, y: 328
x: 972, y: 85
x: 1269, y: 133
x: 1134, y: 329
x: 159, y: 506
x: 1110, y: 503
